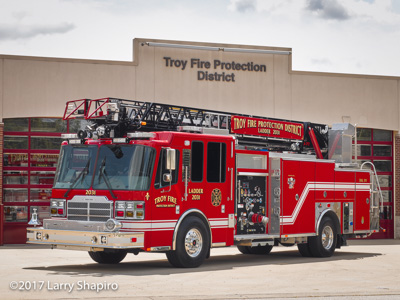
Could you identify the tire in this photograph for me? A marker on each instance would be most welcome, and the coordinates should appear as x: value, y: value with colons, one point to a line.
x: 244, y: 249
x: 324, y: 244
x: 108, y: 257
x: 261, y: 250
x: 304, y: 250
x: 192, y: 244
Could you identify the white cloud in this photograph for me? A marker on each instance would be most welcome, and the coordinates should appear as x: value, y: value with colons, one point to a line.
x: 328, y: 9
x: 14, y: 32
x: 243, y: 5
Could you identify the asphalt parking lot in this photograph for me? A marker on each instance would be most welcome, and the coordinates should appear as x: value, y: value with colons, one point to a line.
x: 363, y: 270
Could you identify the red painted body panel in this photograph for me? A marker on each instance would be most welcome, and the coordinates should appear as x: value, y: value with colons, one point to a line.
x: 362, y: 203
x: 298, y: 197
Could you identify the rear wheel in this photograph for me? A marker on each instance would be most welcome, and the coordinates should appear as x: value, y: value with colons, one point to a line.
x: 324, y: 244
x: 255, y: 250
x: 108, y: 257
x: 192, y: 244
x: 304, y: 250
x: 244, y: 249
x: 260, y: 249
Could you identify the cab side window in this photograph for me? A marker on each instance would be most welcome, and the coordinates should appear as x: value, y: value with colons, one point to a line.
x: 216, y: 162
x: 197, y: 161
x: 161, y: 170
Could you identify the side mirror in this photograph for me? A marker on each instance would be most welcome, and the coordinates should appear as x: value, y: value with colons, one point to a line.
x: 170, y: 159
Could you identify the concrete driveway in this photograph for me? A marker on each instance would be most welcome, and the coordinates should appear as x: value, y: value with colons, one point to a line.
x: 363, y: 270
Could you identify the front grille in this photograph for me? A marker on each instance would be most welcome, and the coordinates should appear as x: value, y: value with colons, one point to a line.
x: 89, y: 209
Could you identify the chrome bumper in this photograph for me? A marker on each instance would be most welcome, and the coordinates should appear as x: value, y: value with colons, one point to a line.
x: 85, y: 240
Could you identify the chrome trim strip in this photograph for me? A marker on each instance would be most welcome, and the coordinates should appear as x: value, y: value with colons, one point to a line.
x: 119, y: 240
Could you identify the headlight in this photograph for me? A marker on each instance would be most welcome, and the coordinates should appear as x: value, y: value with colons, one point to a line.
x: 113, y: 225
x: 129, y: 210
x: 57, y: 208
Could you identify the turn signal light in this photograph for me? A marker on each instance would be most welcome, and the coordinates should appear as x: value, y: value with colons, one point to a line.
x: 129, y: 210
x: 57, y: 207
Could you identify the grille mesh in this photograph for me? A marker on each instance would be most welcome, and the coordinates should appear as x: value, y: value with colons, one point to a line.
x: 89, y: 211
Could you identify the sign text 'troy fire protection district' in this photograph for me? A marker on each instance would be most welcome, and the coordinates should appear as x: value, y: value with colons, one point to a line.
x: 222, y: 69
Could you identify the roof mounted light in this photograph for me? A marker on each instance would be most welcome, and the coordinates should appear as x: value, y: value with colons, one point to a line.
x: 140, y: 135
x: 119, y: 140
x: 67, y: 136
x: 190, y: 129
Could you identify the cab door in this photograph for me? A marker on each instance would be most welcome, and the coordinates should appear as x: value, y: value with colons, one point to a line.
x: 218, y: 189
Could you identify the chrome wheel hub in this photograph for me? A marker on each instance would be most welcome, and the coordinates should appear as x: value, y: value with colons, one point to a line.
x: 193, y: 242
x: 327, y: 237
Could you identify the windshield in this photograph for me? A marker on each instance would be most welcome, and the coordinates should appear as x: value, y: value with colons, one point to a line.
x: 117, y: 167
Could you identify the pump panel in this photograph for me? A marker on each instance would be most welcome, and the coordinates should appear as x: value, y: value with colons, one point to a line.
x: 251, y: 206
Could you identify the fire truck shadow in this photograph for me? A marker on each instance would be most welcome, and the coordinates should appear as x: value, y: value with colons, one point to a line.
x: 214, y: 263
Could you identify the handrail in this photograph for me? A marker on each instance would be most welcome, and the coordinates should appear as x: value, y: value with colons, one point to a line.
x: 377, y: 182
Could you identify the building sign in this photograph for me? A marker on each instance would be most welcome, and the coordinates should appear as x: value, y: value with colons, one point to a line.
x: 266, y: 127
x: 216, y: 70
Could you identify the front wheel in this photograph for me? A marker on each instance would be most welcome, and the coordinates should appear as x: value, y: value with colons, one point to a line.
x: 192, y: 244
x: 108, y: 257
x: 324, y: 244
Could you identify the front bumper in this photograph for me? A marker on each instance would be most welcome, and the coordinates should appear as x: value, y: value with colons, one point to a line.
x: 85, y: 240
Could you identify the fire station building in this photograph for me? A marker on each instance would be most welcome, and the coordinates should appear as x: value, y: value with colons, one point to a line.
x: 244, y: 79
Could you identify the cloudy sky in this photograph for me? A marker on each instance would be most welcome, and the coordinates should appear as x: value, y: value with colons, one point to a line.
x: 343, y: 36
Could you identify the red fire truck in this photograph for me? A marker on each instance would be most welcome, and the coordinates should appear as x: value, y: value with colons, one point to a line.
x: 162, y: 178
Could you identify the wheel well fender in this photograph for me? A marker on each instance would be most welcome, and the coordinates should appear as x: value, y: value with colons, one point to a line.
x: 195, y: 213
x: 333, y: 216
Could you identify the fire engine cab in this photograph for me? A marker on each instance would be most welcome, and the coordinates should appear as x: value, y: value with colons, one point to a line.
x: 162, y: 178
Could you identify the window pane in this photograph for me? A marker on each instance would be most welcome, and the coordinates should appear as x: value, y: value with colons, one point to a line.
x: 42, y: 177
x: 385, y: 180
x: 40, y: 195
x: 75, y: 125
x: 252, y: 161
x: 382, y: 135
x: 15, y: 142
x: 383, y: 165
x: 363, y: 150
x: 363, y: 134
x: 16, y: 124
x: 382, y: 150
x: 387, y: 196
x: 16, y: 213
x: 15, y: 177
x: 44, y: 160
x: 48, y: 125
x: 387, y: 213
x: 216, y: 161
x: 15, y: 159
x: 15, y: 195
x: 125, y: 167
x: 161, y: 170
x: 45, y: 143
x: 366, y: 166
x: 197, y: 161
x: 43, y: 212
